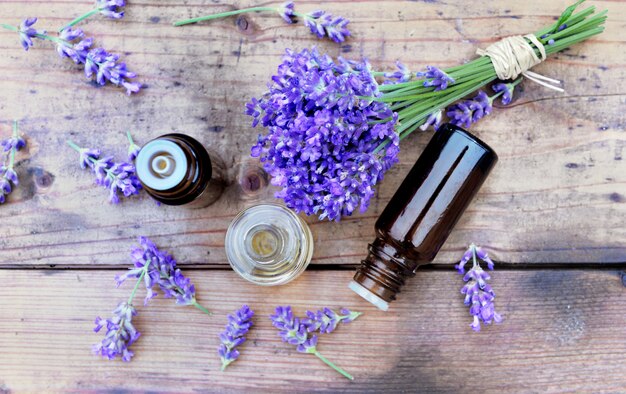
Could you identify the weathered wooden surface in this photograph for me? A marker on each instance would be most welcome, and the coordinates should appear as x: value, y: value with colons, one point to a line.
x: 564, y: 331
x: 557, y: 196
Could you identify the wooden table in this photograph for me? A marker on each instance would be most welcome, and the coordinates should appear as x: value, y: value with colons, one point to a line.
x: 552, y: 214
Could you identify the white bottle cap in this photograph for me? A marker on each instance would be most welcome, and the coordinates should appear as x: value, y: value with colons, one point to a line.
x: 369, y: 296
x: 161, y: 164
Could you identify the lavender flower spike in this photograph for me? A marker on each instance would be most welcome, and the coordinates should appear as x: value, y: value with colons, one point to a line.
x: 293, y: 331
x: 8, y: 177
x: 161, y: 270
x: 120, y: 333
x: 507, y: 92
x: 436, y: 77
x: 238, y: 325
x: 110, y: 8
x: 118, y: 178
x: 325, y: 25
x: 27, y: 32
x: 326, y: 320
x: 479, y: 295
x: 466, y: 112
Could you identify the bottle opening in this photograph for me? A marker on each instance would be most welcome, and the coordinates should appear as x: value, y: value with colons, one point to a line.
x: 161, y: 165
x: 369, y: 296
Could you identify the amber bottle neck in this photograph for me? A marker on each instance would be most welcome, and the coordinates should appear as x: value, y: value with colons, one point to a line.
x: 383, y: 272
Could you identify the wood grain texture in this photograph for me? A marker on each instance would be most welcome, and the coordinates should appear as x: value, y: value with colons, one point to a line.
x: 563, y: 332
x: 557, y: 195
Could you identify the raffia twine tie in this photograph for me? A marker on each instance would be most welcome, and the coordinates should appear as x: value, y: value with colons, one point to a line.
x: 512, y: 56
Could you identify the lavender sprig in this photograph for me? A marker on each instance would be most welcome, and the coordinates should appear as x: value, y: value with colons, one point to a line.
x: 110, y: 8
x: 8, y: 177
x: 160, y: 270
x: 118, y: 178
x: 326, y: 320
x: 133, y: 148
x: 321, y: 23
x: 294, y: 331
x: 98, y: 63
x: 120, y: 332
x: 238, y: 325
x: 436, y: 77
x: 479, y: 295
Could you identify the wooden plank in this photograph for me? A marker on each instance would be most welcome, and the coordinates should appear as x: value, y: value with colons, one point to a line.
x: 563, y: 332
x: 557, y: 195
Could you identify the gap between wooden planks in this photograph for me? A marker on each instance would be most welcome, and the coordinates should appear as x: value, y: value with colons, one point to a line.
x: 563, y: 331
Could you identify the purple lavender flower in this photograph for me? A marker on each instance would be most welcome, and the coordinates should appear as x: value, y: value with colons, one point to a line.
x: 294, y: 331
x: 507, y: 92
x: 322, y: 135
x: 27, y: 32
x: 286, y: 11
x: 403, y: 74
x: 111, y: 8
x: 160, y: 270
x: 326, y: 320
x: 8, y: 177
x: 325, y: 25
x: 436, y: 77
x: 479, y: 295
x: 434, y: 120
x: 120, y: 333
x: 238, y: 325
x: 466, y: 112
x: 116, y: 177
x: 71, y: 43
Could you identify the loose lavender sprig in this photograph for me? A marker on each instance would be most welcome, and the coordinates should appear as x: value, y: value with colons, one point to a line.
x: 110, y: 8
x: 8, y: 177
x: 294, y: 331
x: 116, y: 177
x: 133, y: 148
x: 326, y: 320
x: 99, y: 64
x: 120, y: 332
x: 321, y: 23
x: 238, y: 325
x: 160, y: 270
x: 479, y: 295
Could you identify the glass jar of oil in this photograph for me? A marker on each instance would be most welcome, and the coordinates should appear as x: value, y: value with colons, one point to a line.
x: 268, y: 244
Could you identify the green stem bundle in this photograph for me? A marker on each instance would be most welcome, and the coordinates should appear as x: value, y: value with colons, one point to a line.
x: 414, y: 103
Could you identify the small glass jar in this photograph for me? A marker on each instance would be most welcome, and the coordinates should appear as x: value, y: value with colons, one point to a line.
x: 268, y: 244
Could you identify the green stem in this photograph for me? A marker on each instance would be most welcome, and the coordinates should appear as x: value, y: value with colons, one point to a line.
x: 130, y: 138
x: 80, y: 19
x: 9, y: 27
x: 333, y: 366
x: 224, y: 15
x: 143, y: 273
x: 74, y: 146
x: 203, y: 309
x: 12, y: 157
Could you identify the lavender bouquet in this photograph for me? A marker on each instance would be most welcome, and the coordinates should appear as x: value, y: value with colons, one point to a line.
x: 334, y: 126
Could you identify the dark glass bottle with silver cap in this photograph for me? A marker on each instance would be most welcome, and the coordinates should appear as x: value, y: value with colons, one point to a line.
x: 175, y: 169
x: 422, y: 212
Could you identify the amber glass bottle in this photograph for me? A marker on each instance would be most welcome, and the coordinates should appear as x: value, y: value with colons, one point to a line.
x: 175, y: 169
x: 422, y: 212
